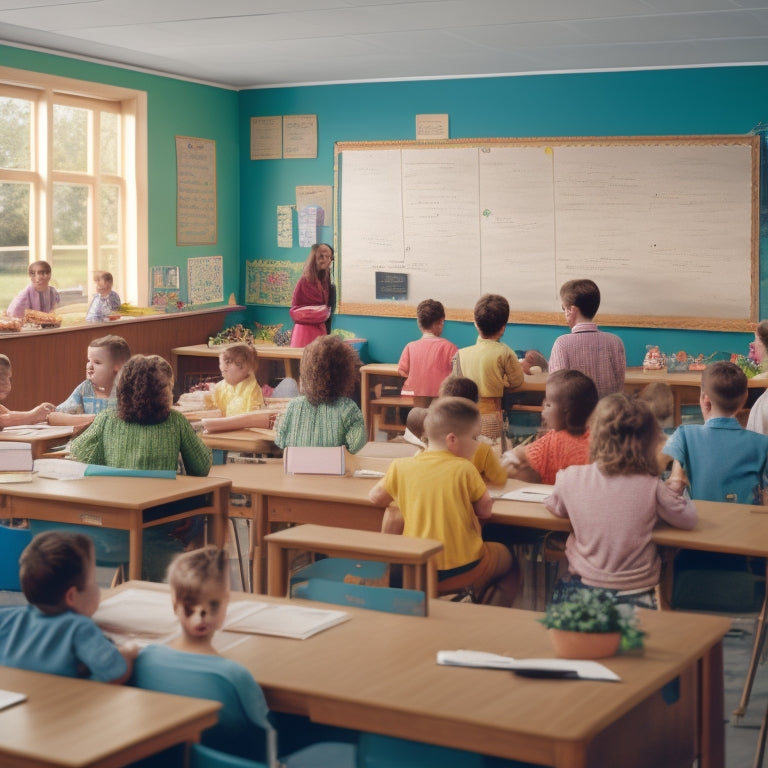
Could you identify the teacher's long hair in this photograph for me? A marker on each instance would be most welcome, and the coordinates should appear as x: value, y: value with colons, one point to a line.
x: 312, y: 274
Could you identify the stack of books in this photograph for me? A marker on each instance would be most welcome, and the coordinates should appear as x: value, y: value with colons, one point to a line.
x: 15, y: 462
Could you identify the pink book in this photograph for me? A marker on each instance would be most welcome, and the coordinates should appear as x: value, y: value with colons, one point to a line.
x: 305, y: 460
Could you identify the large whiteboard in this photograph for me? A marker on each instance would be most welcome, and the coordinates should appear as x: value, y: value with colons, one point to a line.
x: 667, y: 227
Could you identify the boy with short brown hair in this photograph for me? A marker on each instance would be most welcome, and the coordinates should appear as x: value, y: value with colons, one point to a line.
x: 586, y: 348
x: 55, y: 632
x: 427, y: 361
x: 492, y: 365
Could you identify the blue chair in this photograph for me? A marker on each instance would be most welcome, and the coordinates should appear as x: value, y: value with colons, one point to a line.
x: 13, y: 541
x: 244, y: 730
x: 110, y: 546
x: 388, y: 599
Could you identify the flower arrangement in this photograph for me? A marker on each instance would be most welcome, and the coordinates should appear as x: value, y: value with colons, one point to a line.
x: 595, y: 611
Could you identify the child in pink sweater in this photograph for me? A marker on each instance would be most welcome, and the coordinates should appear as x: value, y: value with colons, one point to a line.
x: 615, y: 502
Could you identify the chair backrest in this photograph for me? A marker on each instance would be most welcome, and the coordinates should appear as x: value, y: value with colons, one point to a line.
x: 388, y: 599
x: 109, y: 545
x: 12, y: 543
x: 205, y: 757
x: 243, y: 728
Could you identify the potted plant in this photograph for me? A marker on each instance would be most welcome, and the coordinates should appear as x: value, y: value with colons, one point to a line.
x: 591, y: 624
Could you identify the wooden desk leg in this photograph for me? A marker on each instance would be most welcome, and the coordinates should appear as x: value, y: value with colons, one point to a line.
x: 678, y: 406
x: 757, y: 648
x: 221, y: 504
x: 260, y: 530
x: 365, y: 394
x: 135, y: 546
x: 277, y: 570
x: 711, y: 709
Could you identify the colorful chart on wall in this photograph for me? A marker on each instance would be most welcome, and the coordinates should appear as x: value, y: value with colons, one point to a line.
x: 205, y: 279
x: 271, y: 282
x: 667, y: 226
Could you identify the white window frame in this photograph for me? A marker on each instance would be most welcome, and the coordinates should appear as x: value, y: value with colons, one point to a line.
x: 134, y: 275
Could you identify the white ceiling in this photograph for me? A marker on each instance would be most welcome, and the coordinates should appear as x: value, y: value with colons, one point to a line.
x: 251, y: 43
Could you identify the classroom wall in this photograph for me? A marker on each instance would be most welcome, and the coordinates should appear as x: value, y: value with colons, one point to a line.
x: 728, y: 100
x: 175, y: 108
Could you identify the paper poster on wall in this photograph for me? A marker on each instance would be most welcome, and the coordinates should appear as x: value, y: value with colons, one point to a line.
x: 267, y: 138
x: 195, y: 191
x: 164, y: 277
x: 205, y: 279
x: 310, y: 218
x: 285, y: 226
x: 271, y: 282
x: 431, y: 127
x: 319, y: 195
x: 299, y: 136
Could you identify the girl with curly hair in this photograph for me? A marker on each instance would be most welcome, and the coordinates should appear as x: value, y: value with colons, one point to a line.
x: 615, y: 502
x: 324, y: 414
x: 146, y: 433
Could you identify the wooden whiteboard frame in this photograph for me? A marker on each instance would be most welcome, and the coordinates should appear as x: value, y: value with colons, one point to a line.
x: 400, y: 309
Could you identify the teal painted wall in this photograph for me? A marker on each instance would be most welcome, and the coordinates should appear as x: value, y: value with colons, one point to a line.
x: 693, y: 101
x: 175, y: 108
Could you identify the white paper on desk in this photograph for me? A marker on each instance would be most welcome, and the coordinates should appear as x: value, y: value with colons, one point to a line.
x: 9, y: 698
x: 537, y: 492
x: 36, y: 429
x: 142, y: 616
x: 145, y: 616
x: 283, y: 620
x: 584, y: 670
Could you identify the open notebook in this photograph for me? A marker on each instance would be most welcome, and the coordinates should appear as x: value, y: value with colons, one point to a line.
x: 145, y: 616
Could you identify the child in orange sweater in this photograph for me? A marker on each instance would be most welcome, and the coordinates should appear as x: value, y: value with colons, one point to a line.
x: 570, y: 397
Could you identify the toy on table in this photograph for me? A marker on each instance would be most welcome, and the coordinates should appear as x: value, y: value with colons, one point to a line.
x: 654, y: 360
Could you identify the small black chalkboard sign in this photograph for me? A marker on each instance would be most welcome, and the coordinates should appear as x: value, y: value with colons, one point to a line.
x: 391, y: 286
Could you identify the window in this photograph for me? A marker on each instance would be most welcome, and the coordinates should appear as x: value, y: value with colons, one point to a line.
x: 72, y: 180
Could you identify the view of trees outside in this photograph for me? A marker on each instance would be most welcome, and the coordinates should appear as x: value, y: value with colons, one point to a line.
x: 77, y: 200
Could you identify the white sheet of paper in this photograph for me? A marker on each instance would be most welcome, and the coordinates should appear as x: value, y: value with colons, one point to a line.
x: 282, y: 620
x: 537, y: 492
x: 9, y: 698
x: 585, y: 670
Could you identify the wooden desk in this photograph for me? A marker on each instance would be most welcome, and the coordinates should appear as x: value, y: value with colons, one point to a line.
x: 377, y: 672
x: 42, y: 438
x: 83, y: 724
x: 415, y: 555
x: 278, y: 498
x: 125, y: 503
x: 685, y: 386
x: 242, y: 440
x: 186, y: 359
x: 738, y: 529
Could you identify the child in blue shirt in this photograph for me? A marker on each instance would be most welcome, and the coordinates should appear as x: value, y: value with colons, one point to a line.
x: 55, y: 632
x: 106, y: 356
x: 719, y: 460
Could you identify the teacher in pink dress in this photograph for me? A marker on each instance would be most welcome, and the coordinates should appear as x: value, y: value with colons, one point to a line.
x: 314, y: 297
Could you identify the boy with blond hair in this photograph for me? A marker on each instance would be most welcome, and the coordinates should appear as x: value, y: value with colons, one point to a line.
x: 440, y: 495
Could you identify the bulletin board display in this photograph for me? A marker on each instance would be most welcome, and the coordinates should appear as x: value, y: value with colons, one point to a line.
x: 666, y: 226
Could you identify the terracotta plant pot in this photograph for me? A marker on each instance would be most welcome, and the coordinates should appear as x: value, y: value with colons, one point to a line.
x: 584, y: 645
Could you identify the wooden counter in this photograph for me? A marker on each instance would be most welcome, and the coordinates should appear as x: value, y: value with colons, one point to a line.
x: 48, y: 364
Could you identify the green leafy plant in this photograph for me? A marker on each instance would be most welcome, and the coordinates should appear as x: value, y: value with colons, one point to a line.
x: 595, y: 610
